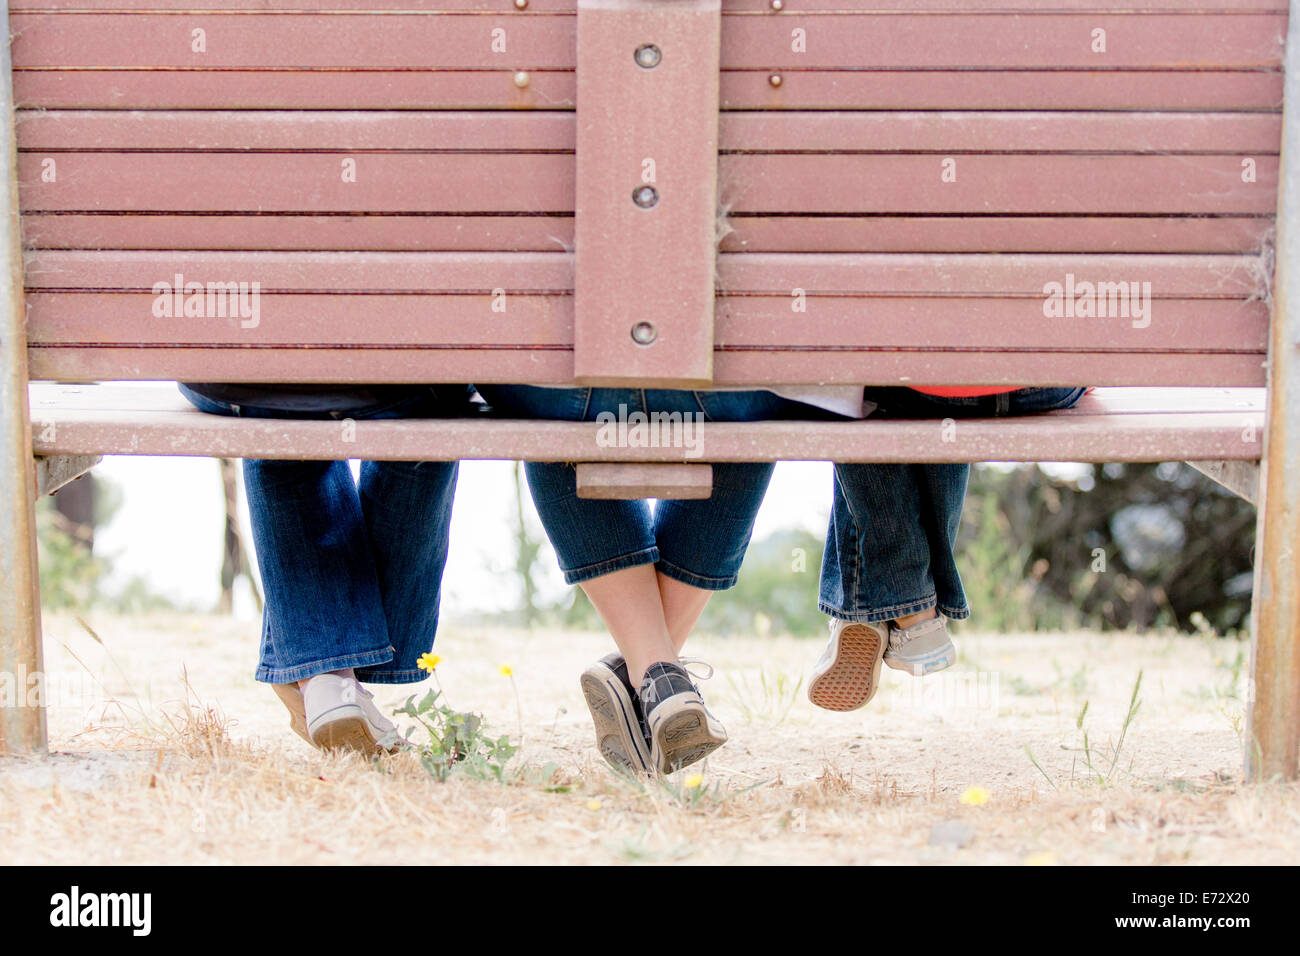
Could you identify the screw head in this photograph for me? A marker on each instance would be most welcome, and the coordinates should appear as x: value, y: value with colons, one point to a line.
x: 647, y: 56
x: 643, y: 333
x: 775, y: 80
x: 522, y: 79
x: 776, y: 4
x: 521, y: 4
x: 645, y: 196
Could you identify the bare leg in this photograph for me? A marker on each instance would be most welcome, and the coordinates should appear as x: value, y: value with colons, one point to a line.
x: 683, y: 604
x: 907, y: 620
x: 628, y: 602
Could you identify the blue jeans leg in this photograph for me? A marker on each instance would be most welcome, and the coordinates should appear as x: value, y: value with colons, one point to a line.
x: 889, y: 546
x: 893, y: 528
x: 351, y: 573
x: 324, y: 609
x: 699, y: 542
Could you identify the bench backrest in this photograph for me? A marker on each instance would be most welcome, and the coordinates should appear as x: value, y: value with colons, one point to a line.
x: 902, y: 184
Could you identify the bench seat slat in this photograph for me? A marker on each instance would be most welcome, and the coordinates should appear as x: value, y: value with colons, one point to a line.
x: 792, y: 7
x: 545, y: 41
x: 553, y: 365
x: 117, y: 89
x: 949, y: 132
x: 838, y: 274
x: 141, y: 421
x: 757, y: 234
x: 544, y: 183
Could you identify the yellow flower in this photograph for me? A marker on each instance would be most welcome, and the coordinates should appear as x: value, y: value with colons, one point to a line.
x: 694, y: 780
x: 974, y: 797
x: 593, y: 804
x: 428, y: 662
x: 1044, y: 858
x: 506, y: 670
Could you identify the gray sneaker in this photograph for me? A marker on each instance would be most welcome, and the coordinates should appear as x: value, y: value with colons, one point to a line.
x: 341, y: 715
x: 921, y: 649
x: 848, y: 673
x: 616, y: 712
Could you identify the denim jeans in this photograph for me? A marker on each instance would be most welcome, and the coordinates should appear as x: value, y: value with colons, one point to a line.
x: 351, y: 573
x: 893, y: 528
x: 699, y: 542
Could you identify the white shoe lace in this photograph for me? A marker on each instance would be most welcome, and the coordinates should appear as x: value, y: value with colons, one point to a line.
x: 687, y: 663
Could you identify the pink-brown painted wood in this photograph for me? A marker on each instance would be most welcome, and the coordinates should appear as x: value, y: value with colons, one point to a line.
x: 760, y: 368
x: 647, y: 194
x: 740, y: 277
x: 547, y: 41
x: 621, y: 481
x: 1238, y: 134
x: 553, y: 365
x: 550, y: 365
x: 544, y: 183
x: 415, y: 233
x: 291, y: 320
x: 739, y: 89
x: 791, y: 7
x: 92, y: 420
x: 821, y: 234
x: 386, y: 272
x: 830, y: 324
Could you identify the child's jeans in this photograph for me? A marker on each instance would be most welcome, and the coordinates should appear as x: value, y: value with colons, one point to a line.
x: 351, y: 573
x: 893, y: 528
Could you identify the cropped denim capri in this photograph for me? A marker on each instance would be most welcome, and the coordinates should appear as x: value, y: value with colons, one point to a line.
x: 699, y: 542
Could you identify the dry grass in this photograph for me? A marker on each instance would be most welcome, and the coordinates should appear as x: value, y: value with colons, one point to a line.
x: 172, y: 754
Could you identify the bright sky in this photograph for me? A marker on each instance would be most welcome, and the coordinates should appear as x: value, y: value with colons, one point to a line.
x: 169, y: 529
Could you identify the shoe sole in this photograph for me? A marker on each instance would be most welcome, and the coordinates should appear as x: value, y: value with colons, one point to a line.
x: 682, y: 733
x: 615, y: 724
x: 346, y: 728
x: 853, y: 677
x: 937, y: 660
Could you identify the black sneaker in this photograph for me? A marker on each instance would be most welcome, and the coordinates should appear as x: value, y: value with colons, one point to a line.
x: 620, y: 734
x: 680, y: 727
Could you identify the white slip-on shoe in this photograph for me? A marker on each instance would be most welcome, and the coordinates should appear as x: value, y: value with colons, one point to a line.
x: 620, y: 737
x: 291, y: 696
x: 921, y: 649
x: 848, y: 673
x: 341, y: 715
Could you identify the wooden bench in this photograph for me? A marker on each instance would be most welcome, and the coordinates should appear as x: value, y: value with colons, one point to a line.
x: 771, y: 192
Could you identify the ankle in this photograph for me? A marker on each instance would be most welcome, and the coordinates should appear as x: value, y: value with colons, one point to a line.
x: 908, y: 620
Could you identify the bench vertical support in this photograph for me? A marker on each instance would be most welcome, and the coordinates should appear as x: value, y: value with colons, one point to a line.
x: 1273, y: 727
x: 22, y: 727
x: 647, y: 196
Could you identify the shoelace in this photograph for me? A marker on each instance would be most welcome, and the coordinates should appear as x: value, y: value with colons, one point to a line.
x: 688, y: 662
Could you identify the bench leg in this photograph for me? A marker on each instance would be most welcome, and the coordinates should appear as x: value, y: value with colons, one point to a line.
x: 1273, y: 727
x: 22, y: 719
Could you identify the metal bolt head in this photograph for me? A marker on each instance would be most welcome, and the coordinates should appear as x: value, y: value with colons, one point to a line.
x: 643, y: 333
x: 776, y: 4
x: 647, y: 56
x: 523, y: 4
x: 775, y: 80
x: 645, y: 196
x: 522, y: 79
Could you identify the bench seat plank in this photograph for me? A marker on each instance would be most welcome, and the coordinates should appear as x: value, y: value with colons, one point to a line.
x: 144, y: 420
x: 749, y: 233
x: 197, y: 88
x: 441, y: 40
x: 747, y: 183
x: 947, y: 131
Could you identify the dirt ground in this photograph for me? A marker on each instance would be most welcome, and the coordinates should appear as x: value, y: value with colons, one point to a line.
x: 166, y: 751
